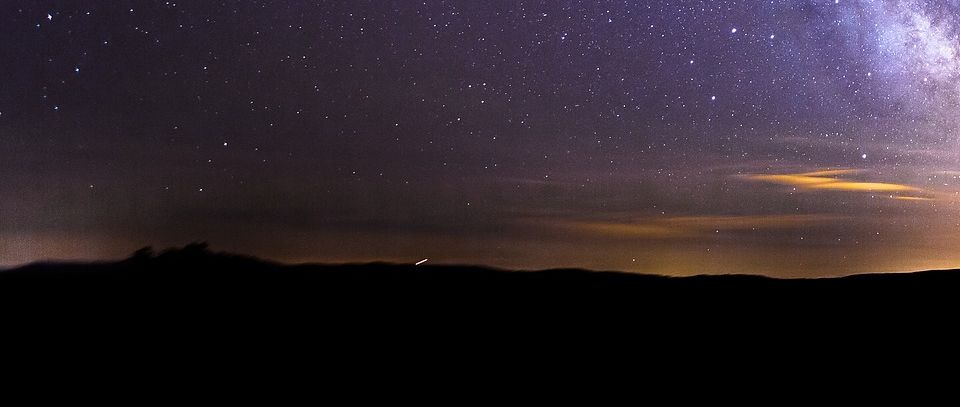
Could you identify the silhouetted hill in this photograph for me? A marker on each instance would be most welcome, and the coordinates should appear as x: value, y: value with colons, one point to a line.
x: 194, y: 273
x: 191, y: 301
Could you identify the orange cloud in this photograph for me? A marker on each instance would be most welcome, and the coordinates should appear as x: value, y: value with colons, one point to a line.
x: 751, y: 221
x: 639, y: 230
x: 830, y: 180
x: 912, y: 198
x: 690, y: 226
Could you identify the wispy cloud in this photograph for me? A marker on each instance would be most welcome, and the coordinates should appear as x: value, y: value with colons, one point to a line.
x: 913, y: 198
x: 830, y: 180
x: 748, y: 222
x: 689, y: 226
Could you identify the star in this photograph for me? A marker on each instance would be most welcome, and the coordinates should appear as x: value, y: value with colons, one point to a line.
x: 526, y: 108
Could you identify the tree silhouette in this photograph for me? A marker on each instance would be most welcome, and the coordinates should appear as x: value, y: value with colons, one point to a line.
x: 143, y: 255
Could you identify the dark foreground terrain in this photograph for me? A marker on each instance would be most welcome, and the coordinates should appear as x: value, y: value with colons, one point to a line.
x: 191, y: 301
x: 193, y: 275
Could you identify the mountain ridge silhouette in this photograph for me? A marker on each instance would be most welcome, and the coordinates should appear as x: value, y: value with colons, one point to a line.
x: 192, y: 291
x: 198, y: 258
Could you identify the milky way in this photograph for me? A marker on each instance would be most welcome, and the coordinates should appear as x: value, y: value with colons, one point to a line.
x: 789, y: 138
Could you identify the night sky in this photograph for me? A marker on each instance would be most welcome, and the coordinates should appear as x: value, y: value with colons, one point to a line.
x: 787, y: 138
